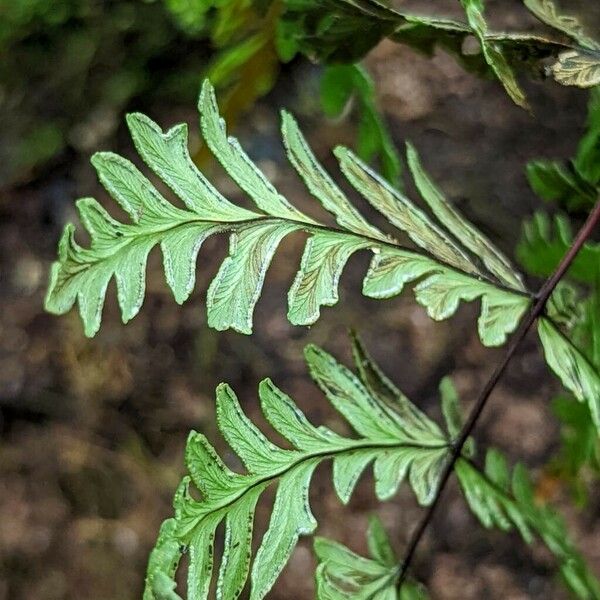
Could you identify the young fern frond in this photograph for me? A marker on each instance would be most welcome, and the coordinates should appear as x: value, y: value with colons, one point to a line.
x: 401, y: 441
x: 453, y: 263
x: 344, y: 574
x: 506, y: 501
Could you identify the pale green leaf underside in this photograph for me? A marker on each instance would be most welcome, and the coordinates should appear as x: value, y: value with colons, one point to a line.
x: 448, y: 266
x: 469, y: 236
x: 162, y: 564
x: 342, y: 574
x: 571, y: 366
x: 403, y: 444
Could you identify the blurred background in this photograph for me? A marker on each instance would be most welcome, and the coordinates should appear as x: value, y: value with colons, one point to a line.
x: 92, y: 431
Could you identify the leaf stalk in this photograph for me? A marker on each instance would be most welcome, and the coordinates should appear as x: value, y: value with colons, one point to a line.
x: 541, y: 298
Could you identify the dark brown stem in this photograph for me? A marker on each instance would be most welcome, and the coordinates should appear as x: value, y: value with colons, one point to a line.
x: 536, y: 310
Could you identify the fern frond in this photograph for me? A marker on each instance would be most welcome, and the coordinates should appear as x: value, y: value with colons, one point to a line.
x: 573, y: 184
x: 541, y: 248
x: 449, y: 267
x: 162, y: 564
x: 392, y: 433
x: 401, y: 441
x: 554, y: 181
x: 344, y: 574
x: 504, y: 500
x: 577, y: 66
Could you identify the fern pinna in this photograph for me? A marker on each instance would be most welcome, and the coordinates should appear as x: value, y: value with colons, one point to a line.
x: 452, y: 260
x: 344, y: 574
x: 401, y: 441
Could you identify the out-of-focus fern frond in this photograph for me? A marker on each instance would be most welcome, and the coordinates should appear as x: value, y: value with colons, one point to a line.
x: 345, y: 30
x: 506, y: 501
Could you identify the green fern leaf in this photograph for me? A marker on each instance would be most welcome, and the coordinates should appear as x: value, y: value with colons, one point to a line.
x: 234, y: 291
x: 493, y: 53
x: 407, y: 416
x: 402, y: 213
x: 451, y: 407
x: 449, y: 269
x: 236, y: 162
x: 574, y: 185
x: 162, y: 565
x: 344, y: 574
x: 412, y: 448
x: 454, y: 222
x: 320, y: 183
x: 587, y: 159
x: 573, y: 368
x: 557, y: 182
x: 380, y: 547
x: 393, y: 434
x: 576, y: 66
x: 504, y: 500
x: 343, y: 31
x: 446, y: 267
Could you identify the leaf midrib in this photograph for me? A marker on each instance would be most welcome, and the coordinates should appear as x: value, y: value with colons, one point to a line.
x: 322, y: 455
x: 308, y: 228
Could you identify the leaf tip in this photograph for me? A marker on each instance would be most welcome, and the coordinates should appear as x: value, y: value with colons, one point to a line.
x: 207, y: 96
x: 312, y: 351
x: 341, y: 152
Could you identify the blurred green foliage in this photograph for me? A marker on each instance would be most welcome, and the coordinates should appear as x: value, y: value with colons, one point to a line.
x: 544, y: 242
x: 339, y: 85
x: 68, y: 68
x: 246, y: 63
x: 574, y: 184
x: 578, y: 459
x: 71, y: 67
x: 574, y: 187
